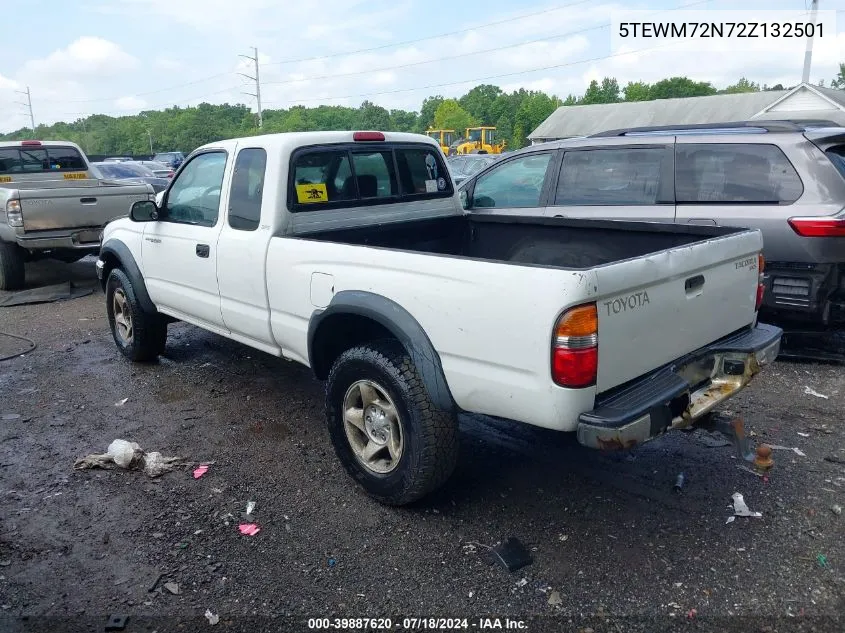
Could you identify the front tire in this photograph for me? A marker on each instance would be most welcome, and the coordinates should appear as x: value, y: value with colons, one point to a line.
x: 139, y: 335
x: 385, y: 429
x: 12, y: 272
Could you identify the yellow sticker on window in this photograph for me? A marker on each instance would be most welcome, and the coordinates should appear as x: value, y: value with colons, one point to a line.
x: 306, y: 194
x: 5, y: 179
x: 76, y: 176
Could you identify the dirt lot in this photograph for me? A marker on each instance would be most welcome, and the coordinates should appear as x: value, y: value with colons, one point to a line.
x: 613, y: 545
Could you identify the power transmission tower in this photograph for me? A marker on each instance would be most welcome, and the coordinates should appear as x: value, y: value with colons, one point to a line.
x: 808, y: 53
x: 257, y: 93
x: 28, y: 104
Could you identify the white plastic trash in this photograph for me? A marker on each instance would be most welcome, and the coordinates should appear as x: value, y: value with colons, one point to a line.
x: 123, y: 452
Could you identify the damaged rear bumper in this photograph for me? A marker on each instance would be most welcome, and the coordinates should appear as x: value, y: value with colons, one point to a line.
x: 680, y: 393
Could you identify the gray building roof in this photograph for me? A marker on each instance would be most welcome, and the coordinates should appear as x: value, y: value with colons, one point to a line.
x: 569, y: 121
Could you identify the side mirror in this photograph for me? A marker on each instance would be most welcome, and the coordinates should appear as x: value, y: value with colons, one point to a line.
x: 144, y: 211
x: 464, y: 199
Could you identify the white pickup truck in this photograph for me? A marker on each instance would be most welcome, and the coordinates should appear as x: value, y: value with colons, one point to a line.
x: 350, y: 252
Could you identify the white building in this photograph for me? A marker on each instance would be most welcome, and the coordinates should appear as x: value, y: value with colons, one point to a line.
x: 804, y: 102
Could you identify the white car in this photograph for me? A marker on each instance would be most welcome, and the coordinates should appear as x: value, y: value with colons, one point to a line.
x: 350, y: 252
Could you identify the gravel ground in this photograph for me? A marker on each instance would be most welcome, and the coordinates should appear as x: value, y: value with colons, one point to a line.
x: 614, y: 547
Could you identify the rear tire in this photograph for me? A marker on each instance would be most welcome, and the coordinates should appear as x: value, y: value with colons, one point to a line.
x: 12, y: 272
x: 139, y: 335
x: 418, y: 447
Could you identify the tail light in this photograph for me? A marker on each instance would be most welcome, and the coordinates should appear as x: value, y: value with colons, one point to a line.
x: 761, y: 286
x: 14, y: 217
x: 575, y: 352
x: 818, y: 227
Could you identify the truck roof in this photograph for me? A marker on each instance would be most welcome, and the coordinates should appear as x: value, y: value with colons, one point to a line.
x: 291, y: 140
x: 35, y: 143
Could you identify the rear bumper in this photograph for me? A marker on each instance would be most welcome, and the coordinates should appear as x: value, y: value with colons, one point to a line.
x: 77, y: 239
x: 680, y: 393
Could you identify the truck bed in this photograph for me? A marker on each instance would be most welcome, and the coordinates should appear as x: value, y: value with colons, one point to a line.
x: 556, y: 242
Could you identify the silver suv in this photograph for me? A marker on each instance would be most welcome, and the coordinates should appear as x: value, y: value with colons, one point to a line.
x: 785, y: 178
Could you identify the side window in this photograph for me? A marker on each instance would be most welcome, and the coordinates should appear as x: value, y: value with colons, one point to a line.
x: 194, y: 197
x: 422, y: 171
x: 613, y: 176
x: 374, y: 174
x: 247, y: 188
x: 516, y: 183
x: 323, y: 176
x: 724, y: 173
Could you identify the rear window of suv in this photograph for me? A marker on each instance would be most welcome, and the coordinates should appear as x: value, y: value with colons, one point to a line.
x: 39, y: 159
x: 351, y: 175
x: 734, y: 173
x: 837, y: 157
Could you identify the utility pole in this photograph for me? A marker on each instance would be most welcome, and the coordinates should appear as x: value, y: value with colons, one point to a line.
x: 149, y: 134
x: 808, y: 53
x: 28, y: 104
x: 257, y: 93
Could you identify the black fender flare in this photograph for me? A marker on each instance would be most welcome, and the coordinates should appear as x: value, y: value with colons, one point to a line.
x: 123, y: 255
x: 399, y: 322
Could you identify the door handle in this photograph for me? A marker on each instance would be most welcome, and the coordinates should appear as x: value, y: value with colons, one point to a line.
x: 203, y: 250
x: 88, y: 200
x: 704, y: 221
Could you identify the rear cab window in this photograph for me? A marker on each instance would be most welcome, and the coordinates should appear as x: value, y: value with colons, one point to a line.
x: 734, y: 173
x: 40, y: 159
x: 358, y: 174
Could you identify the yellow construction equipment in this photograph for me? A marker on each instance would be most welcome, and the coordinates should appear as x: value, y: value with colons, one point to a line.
x: 443, y: 137
x: 479, y: 140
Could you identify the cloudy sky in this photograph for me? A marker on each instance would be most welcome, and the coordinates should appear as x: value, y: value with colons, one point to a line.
x: 119, y: 57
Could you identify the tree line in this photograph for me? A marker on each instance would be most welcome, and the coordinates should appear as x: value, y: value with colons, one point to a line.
x: 515, y: 115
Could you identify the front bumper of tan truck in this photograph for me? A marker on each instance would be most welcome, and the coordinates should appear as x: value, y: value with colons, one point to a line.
x: 680, y: 393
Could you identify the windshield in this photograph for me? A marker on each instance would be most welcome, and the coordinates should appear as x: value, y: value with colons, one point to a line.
x: 447, y: 138
x: 475, y: 135
x: 435, y: 135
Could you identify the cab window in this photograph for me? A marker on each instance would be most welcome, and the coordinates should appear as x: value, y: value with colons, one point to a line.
x: 247, y: 188
x: 352, y: 175
x: 194, y: 197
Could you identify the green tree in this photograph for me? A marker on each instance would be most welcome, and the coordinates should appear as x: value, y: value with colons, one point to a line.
x: 637, y: 91
x: 479, y: 101
x: 743, y: 85
x: 429, y: 107
x: 676, y: 87
x: 451, y: 116
x: 605, y: 92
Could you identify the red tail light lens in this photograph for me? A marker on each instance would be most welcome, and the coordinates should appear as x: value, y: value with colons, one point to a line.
x: 30, y: 143
x: 575, y: 353
x: 761, y: 285
x: 575, y: 368
x: 367, y: 136
x: 818, y: 227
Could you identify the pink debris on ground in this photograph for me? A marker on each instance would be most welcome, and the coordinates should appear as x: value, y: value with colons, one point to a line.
x: 200, y: 471
x: 250, y: 529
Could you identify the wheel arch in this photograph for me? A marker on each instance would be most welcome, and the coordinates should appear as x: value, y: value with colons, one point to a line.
x: 354, y: 317
x: 115, y: 254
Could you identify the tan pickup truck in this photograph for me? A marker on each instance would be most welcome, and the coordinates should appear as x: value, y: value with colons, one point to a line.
x: 52, y: 204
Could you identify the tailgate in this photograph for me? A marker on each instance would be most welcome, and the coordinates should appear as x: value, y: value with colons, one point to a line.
x: 88, y: 203
x: 659, y: 307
